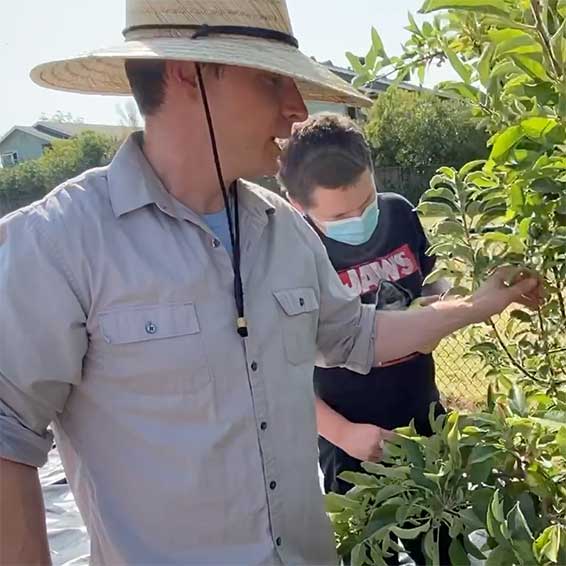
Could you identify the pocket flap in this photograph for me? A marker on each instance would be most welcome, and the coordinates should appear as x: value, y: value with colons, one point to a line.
x: 138, y: 324
x: 297, y: 301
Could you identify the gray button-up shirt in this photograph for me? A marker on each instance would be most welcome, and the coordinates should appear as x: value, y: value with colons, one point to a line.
x: 183, y: 443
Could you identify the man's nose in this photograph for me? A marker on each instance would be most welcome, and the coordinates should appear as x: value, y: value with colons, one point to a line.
x: 294, y: 108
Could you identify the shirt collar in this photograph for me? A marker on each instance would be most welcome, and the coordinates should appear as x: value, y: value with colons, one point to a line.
x: 134, y: 184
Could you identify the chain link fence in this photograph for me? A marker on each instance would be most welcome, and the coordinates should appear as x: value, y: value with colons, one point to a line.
x: 461, y: 380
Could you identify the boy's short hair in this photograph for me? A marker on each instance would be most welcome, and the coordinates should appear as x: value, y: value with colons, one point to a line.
x: 328, y: 150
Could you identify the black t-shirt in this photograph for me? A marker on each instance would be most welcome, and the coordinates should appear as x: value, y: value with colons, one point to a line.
x: 387, y: 271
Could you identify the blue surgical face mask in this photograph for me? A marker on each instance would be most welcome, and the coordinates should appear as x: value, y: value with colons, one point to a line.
x: 354, y: 231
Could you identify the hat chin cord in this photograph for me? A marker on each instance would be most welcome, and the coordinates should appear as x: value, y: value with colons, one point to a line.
x: 233, y: 220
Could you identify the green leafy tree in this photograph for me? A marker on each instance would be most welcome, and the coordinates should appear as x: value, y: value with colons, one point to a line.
x: 500, y: 472
x: 63, y: 160
x: 419, y: 130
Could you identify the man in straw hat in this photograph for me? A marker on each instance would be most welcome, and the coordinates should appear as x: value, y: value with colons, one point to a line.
x: 166, y: 315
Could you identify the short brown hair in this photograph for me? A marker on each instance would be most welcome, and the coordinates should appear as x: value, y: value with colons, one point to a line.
x: 147, y: 81
x: 328, y: 150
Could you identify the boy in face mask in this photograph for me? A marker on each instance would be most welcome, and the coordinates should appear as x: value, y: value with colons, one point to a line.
x: 378, y: 247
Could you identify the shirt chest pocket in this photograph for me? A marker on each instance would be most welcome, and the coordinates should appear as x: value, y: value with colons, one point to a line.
x: 156, y: 349
x: 300, y: 309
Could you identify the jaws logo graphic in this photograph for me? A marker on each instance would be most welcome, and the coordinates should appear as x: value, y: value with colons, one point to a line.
x: 365, y: 278
x: 380, y: 277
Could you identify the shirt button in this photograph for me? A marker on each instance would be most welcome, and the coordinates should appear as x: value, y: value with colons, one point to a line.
x: 215, y: 243
x: 278, y: 542
x: 302, y: 302
x: 151, y: 327
x: 254, y: 366
x: 263, y: 425
x: 273, y: 485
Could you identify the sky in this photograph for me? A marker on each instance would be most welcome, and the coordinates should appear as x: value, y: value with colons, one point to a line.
x: 36, y: 31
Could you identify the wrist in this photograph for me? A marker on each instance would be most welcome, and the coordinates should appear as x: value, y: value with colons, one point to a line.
x: 342, y: 434
x: 461, y: 311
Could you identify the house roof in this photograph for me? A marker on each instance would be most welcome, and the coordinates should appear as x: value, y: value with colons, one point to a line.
x: 70, y: 129
x: 27, y: 130
x: 376, y: 86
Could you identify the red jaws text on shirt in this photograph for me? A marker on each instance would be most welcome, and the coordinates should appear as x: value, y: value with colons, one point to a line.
x: 365, y: 277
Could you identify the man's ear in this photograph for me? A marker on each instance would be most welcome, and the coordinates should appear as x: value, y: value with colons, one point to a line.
x: 183, y: 75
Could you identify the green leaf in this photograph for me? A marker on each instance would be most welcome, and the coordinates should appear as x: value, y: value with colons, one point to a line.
x: 412, y: 27
x: 538, y: 127
x: 523, y: 316
x: 377, y: 42
x: 460, y: 67
x: 481, y: 500
x: 465, y: 90
x: 518, y: 401
x: 482, y: 453
x: 546, y: 186
x: 435, y: 209
x: 359, y: 555
x: 436, y: 275
x: 484, y: 348
x: 516, y: 244
x: 357, y: 478
x: 515, y: 42
x: 412, y: 450
x: 355, y: 63
x: 485, y: 6
x: 453, y: 438
x: 484, y: 64
x: 336, y: 503
x: 361, y: 80
x: 501, y: 555
x: 431, y: 547
x: 411, y: 534
x: 371, y: 59
x: 470, y: 166
x: 387, y: 494
x: 506, y: 141
x: 451, y: 228
x: 547, y: 545
x: 516, y: 198
x: 561, y: 441
x: 421, y: 70
x: 397, y: 472
x: 554, y: 424
x: 423, y: 481
x: 457, y: 553
x: 524, y: 227
x: 531, y: 66
x: 402, y: 75
x: 472, y: 549
x: 496, y: 519
x: 470, y: 519
x: 518, y: 526
x: 439, y: 193
x: 382, y: 517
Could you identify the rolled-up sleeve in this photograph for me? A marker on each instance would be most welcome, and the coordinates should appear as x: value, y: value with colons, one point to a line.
x: 347, y: 328
x: 43, y: 336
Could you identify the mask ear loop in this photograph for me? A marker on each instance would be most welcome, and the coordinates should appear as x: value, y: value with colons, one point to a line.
x: 233, y: 224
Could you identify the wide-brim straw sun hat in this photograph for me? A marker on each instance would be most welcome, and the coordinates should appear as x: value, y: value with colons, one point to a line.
x: 246, y: 33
